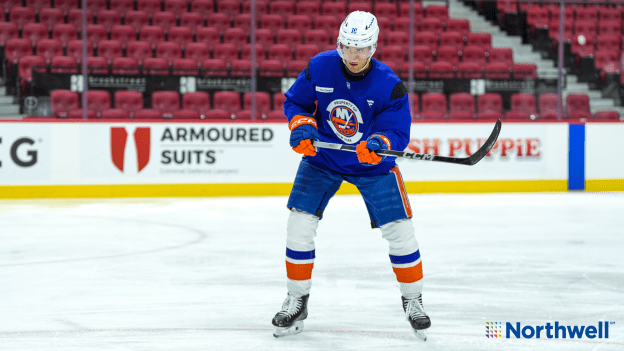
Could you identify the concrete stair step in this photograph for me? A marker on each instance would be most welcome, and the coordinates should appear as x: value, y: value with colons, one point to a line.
x: 9, y: 110
x: 6, y: 99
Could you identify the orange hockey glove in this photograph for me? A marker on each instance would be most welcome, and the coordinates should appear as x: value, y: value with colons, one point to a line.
x: 365, y: 156
x: 302, y: 132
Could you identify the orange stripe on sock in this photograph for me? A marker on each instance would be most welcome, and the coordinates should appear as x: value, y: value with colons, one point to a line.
x: 409, y: 275
x: 299, y: 271
x: 399, y: 178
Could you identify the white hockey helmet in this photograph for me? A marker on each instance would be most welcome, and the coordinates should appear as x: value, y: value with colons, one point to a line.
x: 360, y: 30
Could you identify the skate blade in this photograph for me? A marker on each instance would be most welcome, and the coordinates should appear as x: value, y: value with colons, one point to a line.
x: 421, y: 334
x: 296, y: 328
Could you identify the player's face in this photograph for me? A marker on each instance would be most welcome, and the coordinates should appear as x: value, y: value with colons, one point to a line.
x: 355, y: 58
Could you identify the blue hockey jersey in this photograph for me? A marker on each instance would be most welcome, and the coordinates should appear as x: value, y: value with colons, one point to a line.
x: 349, y: 111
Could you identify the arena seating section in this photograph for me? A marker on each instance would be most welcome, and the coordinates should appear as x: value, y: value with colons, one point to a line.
x: 211, y: 38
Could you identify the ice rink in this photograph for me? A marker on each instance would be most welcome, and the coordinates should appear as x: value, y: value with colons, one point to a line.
x: 209, y: 274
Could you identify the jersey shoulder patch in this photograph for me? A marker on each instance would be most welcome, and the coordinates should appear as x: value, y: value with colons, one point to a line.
x: 398, y: 92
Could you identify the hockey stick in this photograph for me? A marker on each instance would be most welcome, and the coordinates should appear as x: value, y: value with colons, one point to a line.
x: 469, y: 161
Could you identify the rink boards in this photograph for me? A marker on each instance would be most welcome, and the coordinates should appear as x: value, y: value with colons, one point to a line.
x: 163, y: 158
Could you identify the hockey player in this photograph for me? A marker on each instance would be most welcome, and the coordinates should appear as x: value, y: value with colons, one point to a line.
x: 360, y: 101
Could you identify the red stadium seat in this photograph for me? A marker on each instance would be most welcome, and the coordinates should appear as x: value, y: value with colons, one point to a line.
x: 156, y: 66
x: 218, y: 115
x: 197, y: 51
x: 398, y: 38
x: 166, y: 102
x: 227, y: 100
x: 65, y: 5
x: 452, y: 39
x: 459, y: 25
x: 469, y: 70
x: 95, y: 6
x: 310, y: 8
x: 152, y: 35
x: 448, y: 54
x: 608, y: 42
x: 272, y: 22
x: 109, y: 18
x: 125, y: 65
x: 577, y: 102
x: 225, y: 51
x: 176, y: 6
x: 61, y: 101
x: 186, y: 114
x: 474, y: 54
x: 37, y: 5
x: 328, y: 23
x: 317, y: 37
x: 16, y: 48
x: 607, y: 115
x: 21, y: 15
x: 123, y: 34
x: 97, y: 65
x: 423, y: 53
x: 498, y: 70
x: 272, y: 68
x: 360, y: 6
x: 98, y: 100
x: 434, y: 102
x: 220, y: 21
x: 302, y: 23
x: 130, y: 101
x: 191, y: 20
x: 280, y: 52
x: 524, y: 71
x: 305, y: 52
x: 501, y: 55
x: 338, y: 9
x: 437, y: 11
x: 74, y: 49
x: 168, y: 50
x: 385, y: 24
x: 262, y: 6
x: 181, y: 36
x: 278, y: 101
x: 208, y: 36
x: 284, y: 8
x: 404, y: 10
x: 199, y: 101
x: 414, y: 105
x: 240, y: 68
x: 610, y: 28
x: 185, y: 67
x: 164, y: 19
x: 214, y: 67
x: 63, y: 64
x: 434, y: 25
x: 275, y: 116
x: 611, y: 14
x: 140, y: 50
x: 96, y: 33
x: 294, y: 67
x: 461, y: 115
x: 263, y: 102
x: 393, y: 54
x: 548, y: 106
x: 462, y: 102
x: 586, y: 14
x: 110, y: 49
x: 148, y: 6
x: 50, y: 17
x: 229, y: 7
x: 524, y: 102
x: 148, y: 114
x: 25, y: 67
x: 79, y: 113
x: 290, y: 37
x: 427, y: 38
x: 419, y: 69
x: 490, y: 102
x: 114, y: 113
x: 489, y: 115
x: 137, y: 19
x: 74, y: 16
x: 236, y: 36
x: 121, y: 6
x: 7, y: 31
x: 203, y: 7
x: 518, y: 115
x: 64, y: 33
x: 587, y: 28
x: 48, y: 48
x: 483, y: 40
x: 31, y: 31
x: 243, y: 21
x: 441, y: 69
x: 432, y: 115
x: 260, y: 52
x: 385, y: 10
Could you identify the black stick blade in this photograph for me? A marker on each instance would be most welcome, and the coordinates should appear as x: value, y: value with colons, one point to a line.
x: 489, y: 143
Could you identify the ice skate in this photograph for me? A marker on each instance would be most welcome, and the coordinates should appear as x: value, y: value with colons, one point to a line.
x: 289, y: 321
x: 416, y: 315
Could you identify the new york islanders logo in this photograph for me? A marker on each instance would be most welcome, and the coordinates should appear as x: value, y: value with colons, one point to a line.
x: 345, y: 119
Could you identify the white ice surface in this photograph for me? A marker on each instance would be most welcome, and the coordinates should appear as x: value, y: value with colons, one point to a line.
x: 209, y: 274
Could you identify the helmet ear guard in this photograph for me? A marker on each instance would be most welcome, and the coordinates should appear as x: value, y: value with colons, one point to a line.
x: 359, y: 30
